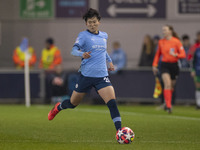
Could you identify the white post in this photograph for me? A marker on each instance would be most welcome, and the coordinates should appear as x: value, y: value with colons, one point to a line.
x: 27, y: 80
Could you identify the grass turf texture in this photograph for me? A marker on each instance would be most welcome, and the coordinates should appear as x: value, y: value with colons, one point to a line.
x: 91, y: 128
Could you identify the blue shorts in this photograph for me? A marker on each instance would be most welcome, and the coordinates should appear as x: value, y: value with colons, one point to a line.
x: 85, y: 84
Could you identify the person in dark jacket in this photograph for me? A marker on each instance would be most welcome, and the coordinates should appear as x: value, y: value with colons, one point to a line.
x: 59, y: 85
x: 147, y: 53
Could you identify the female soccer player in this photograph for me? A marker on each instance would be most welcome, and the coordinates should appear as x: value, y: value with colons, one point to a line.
x: 171, y: 50
x: 91, y: 46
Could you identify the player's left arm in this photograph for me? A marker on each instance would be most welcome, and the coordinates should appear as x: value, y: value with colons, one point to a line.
x: 108, y: 57
x: 109, y: 60
x: 181, y: 51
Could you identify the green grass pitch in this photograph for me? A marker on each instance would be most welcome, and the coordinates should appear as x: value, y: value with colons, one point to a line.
x: 91, y: 128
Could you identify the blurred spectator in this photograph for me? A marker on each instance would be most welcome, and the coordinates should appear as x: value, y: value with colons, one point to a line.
x: 50, y: 56
x: 118, y: 57
x: 147, y: 53
x: 186, y: 45
x: 19, y: 54
x: 59, y: 84
x: 196, y: 75
x: 156, y: 39
x: 194, y: 47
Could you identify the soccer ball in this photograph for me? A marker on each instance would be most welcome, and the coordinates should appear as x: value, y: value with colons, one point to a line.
x: 125, y: 135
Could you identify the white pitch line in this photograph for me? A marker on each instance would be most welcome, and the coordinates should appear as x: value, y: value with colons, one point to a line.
x: 93, y: 141
x: 139, y: 114
x: 61, y: 142
x: 109, y: 141
x: 132, y: 113
x: 96, y: 141
x: 170, y: 142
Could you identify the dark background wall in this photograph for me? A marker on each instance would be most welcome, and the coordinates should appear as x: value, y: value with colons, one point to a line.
x: 134, y: 85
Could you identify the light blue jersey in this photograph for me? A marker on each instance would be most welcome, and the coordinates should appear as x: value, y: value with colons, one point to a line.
x: 96, y: 65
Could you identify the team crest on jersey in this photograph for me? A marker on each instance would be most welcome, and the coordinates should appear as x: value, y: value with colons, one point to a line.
x: 104, y: 40
x: 76, y: 86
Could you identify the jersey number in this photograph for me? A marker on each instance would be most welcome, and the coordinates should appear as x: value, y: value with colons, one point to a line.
x: 106, y: 79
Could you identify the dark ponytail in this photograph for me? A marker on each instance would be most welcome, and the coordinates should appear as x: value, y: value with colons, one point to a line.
x: 174, y: 34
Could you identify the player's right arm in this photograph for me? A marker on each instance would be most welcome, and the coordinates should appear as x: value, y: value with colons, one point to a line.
x: 76, y: 50
x: 156, y: 60
x: 157, y: 56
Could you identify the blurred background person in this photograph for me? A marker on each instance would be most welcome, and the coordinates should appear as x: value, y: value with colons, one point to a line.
x: 50, y: 56
x: 171, y: 50
x: 196, y: 75
x: 19, y: 54
x: 58, y: 81
x: 156, y: 39
x: 118, y: 57
x: 159, y: 85
x: 194, y: 47
x: 147, y: 54
x: 186, y: 45
x: 158, y: 81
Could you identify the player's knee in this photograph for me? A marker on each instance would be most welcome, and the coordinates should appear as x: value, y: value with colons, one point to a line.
x: 167, y: 87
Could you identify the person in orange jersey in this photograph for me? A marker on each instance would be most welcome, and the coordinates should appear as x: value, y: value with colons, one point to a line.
x: 19, y: 54
x: 50, y: 56
x: 171, y: 49
x: 193, y: 48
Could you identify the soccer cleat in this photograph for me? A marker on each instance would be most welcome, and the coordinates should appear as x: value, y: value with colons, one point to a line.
x: 53, y: 112
x: 165, y: 107
x: 197, y: 107
x: 169, y: 110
